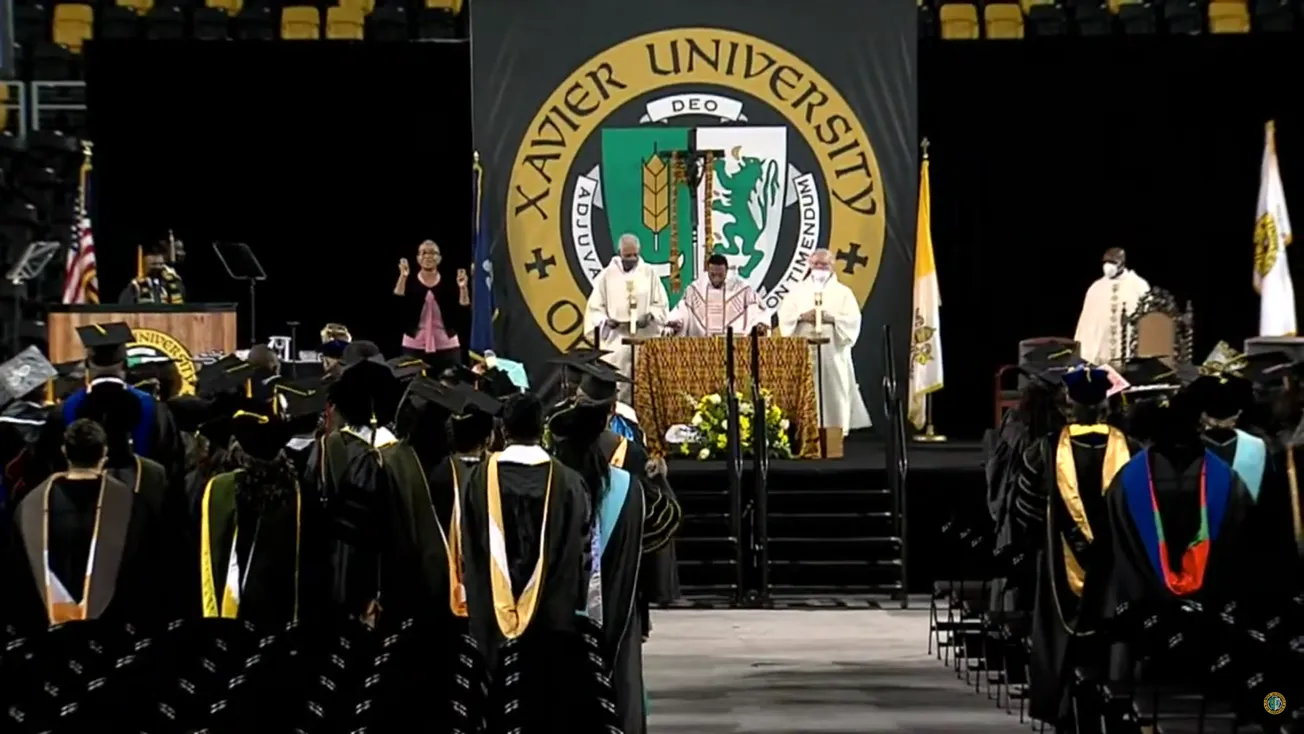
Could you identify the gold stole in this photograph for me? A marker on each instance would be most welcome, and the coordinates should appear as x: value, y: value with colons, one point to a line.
x: 618, y: 456
x: 513, y: 614
x: 1117, y: 454
x: 1296, y: 520
x: 233, y: 586
x: 452, y: 539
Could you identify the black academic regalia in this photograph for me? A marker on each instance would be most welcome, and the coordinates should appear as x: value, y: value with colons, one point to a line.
x: 544, y: 677
x: 1128, y: 568
x: 1048, y: 512
x: 129, y: 584
x: 622, y: 620
x: 271, y: 538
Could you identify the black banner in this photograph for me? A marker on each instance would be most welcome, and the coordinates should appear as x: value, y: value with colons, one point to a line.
x: 807, y: 110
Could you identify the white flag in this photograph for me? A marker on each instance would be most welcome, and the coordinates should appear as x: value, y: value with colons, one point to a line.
x: 1271, y: 235
x: 926, y: 328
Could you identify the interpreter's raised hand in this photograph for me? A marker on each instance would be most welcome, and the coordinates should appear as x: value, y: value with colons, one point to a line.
x: 462, y: 278
x: 403, y: 267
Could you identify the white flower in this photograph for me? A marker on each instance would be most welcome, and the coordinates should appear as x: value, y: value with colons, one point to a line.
x: 697, y: 419
x: 745, y: 408
x: 724, y: 424
x: 704, y: 454
x: 783, y: 424
x: 715, y: 399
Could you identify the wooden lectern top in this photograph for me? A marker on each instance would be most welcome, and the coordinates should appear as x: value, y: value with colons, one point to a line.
x: 181, y: 332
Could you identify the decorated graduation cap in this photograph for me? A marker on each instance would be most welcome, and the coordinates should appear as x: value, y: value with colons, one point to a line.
x: 106, y: 344
x: 598, y: 383
x: 24, y: 374
x: 260, y: 436
x: 228, y: 374
x: 1088, y: 385
x: 1220, y: 391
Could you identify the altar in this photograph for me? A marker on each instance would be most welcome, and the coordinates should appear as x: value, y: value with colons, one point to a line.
x: 670, y: 374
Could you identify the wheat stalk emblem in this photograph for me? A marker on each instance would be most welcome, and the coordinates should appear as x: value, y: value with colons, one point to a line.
x: 656, y: 200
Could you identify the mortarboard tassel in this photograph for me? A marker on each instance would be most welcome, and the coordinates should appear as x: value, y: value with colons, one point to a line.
x: 49, y: 392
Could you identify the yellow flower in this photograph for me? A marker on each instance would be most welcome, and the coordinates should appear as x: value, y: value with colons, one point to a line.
x: 721, y: 441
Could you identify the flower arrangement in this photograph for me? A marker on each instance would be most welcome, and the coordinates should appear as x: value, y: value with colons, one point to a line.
x: 710, y: 422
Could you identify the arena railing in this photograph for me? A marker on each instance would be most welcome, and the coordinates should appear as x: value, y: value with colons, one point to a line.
x: 898, y: 461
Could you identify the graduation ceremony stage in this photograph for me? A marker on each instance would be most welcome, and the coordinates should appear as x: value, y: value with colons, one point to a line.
x: 834, y: 533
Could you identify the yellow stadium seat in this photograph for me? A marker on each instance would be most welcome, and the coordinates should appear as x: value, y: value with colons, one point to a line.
x: 232, y: 7
x: 1229, y: 16
x: 140, y: 6
x: 1003, y: 20
x: 959, y: 21
x: 1028, y: 5
x: 73, y: 25
x: 452, y: 6
x: 300, y: 23
x: 1114, y: 5
x: 344, y: 24
x: 363, y: 6
x: 4, y: 109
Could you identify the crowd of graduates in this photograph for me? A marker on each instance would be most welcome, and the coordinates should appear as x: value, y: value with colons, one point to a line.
x: 1148, y: 537
x: 373, y: 548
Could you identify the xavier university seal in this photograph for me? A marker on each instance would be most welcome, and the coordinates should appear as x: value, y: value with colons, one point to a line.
x: 156, y: 346
x: 783, y: 166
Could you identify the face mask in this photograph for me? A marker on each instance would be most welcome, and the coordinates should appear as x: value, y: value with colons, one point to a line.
x: 628, y: 263
x: 821, y: 276
x: 1111, y: 270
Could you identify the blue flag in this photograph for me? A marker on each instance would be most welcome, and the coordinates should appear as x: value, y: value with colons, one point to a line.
x: 482, y: 274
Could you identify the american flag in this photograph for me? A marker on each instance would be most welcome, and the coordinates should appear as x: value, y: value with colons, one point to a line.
x: 80, y: 281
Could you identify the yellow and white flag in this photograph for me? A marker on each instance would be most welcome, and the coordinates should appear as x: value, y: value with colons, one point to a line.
x: 926, y: 327
x: 1271, y: 235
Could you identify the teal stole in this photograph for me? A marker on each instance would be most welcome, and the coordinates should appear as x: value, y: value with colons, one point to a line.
x: 604, y: 526
x: 1249, y: 461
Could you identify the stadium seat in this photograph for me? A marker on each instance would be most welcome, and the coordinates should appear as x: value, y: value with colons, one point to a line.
x: 255, y: 23
x: 231, y: 7
x: 1046, y: 19
x: 436, y: 23
x: 1183, y: 17
x: 165, y: 23
x: 140, y: 6
x: 927, y: 22
x: 1093, y: 18
x: 4, y: 112
x: 387, y: 23
x: 344, y: 23
x: 1274, y: 16
x: 363, y: 6
x: 31, y: 23
x: 452, y: 6
x: 959, y: 21
x: 300, y: 23
x: 1229, y: 16
x: 53, y: 62
x: 73, y: 25
x: 1138, y: 18
x: 1003, y: 20
x: 210, y: 24
x: 117, y: 23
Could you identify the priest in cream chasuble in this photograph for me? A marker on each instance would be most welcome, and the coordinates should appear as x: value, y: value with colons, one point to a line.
x: 820, y: 306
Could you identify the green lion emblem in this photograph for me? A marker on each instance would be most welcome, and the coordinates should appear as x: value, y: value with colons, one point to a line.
x: 755, y: 176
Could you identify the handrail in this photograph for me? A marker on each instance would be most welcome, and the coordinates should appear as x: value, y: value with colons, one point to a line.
x: 760, y: 472
x: 898, y: 464
x: 733, y: 470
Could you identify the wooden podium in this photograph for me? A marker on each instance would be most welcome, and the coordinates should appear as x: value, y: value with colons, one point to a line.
x: 183, y: 332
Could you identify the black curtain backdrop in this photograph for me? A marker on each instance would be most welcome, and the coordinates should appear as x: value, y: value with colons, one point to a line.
x: 1047, y: 152
x: 331, y: 160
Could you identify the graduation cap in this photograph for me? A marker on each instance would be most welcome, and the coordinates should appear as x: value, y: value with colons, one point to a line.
x: 1088, y: 385
x: 70, y: 377
x: 302, y: 404
x: 106, y: 344
x: 598, y: 383
x: 191, y: 411
x: 1222, y: 359
x: 333, y: 348
x: 407, y: 368
x: 24, y: 374
x: 460, y: 374
x: 228, y: 374
x: 260, y: 436
x: 498, y: 383
x: 366, y: 385
x: 1220, y: 395
x: 464, y: 401
x: 1052, y: 353
x: 1266, y: 367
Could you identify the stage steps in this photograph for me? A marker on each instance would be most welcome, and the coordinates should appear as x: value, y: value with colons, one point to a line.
x: 832, y: 532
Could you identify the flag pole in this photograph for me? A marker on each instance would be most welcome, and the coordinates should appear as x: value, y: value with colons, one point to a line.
x: 930, y: 434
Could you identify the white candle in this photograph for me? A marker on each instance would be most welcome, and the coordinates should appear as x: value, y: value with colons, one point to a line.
x: 819, y: 312
x: 633, y: 307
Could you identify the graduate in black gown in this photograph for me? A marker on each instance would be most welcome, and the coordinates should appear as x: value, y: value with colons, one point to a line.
x: 617, y: 539
x: 1060, y: 510
x: 85, y: 546
x: 154, y: 435
x: 1224, y: 396
x: 525, y: 544
x: 251, y: 538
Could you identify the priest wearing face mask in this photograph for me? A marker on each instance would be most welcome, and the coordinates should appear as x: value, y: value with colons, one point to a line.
x: 820, y: 306
x: 1099, y: 332
x: 628, y: 300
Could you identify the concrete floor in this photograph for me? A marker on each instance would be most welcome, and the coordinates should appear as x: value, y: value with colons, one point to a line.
x: 806, y: 672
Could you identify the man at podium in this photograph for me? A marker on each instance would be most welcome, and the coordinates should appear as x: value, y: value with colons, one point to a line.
x: 716, y: 302
x: 628, y: 300
x: 160, y: 284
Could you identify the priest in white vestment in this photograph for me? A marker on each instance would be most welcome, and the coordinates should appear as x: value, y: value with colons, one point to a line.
x: 628, y: 300
x: 1100, y: 326
x: 838, y: 321
x: 715, y: 302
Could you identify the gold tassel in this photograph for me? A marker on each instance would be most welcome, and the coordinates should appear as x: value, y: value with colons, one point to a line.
x: 49, y: 392
x: 140, y: 262
x: 249, y: 389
